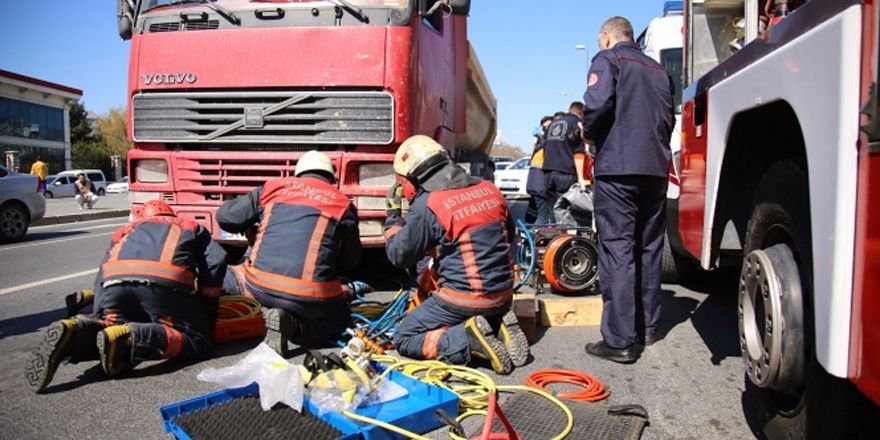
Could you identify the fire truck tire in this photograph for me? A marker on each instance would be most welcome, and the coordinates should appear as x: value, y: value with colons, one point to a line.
x: 675, y: 267
x: 821, y: 406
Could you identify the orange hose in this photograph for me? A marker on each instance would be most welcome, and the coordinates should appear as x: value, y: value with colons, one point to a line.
x: 592, y: 389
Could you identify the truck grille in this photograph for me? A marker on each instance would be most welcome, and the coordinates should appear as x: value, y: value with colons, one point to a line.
x: 265, y: 117
x: 219, y: 179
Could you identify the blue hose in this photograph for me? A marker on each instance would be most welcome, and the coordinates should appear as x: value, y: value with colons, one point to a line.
x: 521, y: 256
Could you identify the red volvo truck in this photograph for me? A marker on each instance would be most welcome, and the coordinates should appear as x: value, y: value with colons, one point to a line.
x: 780, y: 169
x: 226, y: 94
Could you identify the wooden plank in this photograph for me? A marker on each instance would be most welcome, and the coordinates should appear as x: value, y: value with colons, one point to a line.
x: 558, y: 311
x: 526, y: 310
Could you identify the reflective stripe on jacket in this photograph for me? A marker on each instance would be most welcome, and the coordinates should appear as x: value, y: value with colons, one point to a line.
x: 168, y: 251
x: 308, y: 233
x: 471, y: 229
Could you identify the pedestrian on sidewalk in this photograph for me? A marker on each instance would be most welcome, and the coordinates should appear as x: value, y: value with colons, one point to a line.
x: 85, y: 192
x: 629, y: 116
x: 41, y: 170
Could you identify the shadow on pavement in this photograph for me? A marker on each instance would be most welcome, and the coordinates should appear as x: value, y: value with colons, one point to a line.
x: 91, y: 375
x: 39, y: 236
x: 715, y: 319
x: 26, y: 324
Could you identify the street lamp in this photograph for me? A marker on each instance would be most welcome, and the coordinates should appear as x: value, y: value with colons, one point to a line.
x: 584, y: 47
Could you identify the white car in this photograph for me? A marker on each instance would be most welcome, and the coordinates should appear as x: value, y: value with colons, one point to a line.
x: 119, y: 186
x: 512, y: 180
x: 21, y: 203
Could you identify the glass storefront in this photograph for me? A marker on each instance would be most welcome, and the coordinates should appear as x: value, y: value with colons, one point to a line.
x: 32, y: 121
x: 28, y: 155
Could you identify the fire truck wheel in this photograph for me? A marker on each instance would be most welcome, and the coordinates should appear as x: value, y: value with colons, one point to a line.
x: 675, y: 267
x: 793, y: 396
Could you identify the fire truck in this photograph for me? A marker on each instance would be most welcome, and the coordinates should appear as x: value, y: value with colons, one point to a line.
x: 779, y: 168
x: 226, y: 94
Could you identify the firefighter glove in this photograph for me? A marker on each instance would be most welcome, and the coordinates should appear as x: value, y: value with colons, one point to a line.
x: 394, y: 199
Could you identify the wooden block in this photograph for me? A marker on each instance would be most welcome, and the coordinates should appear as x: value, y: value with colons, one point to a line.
x: 526, y: 309
x: 565, y: 311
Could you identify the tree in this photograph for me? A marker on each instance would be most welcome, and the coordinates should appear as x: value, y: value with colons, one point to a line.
x: 506, y: 150
x: 113, y: 131
x: 80, y: 128
x: 110, y: 139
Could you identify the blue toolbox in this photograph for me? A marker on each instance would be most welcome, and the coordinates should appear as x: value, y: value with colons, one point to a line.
x: 236, y: 413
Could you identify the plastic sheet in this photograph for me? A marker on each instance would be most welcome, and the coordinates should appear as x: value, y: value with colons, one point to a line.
x: 278, y: 380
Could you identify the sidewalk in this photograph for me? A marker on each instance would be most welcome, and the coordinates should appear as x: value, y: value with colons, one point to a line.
x: 66, y: 210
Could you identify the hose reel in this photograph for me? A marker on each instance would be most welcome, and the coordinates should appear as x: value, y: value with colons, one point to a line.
x: 571, y: 263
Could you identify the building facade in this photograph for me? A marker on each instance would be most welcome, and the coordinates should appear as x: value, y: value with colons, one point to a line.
x: 35, y: 121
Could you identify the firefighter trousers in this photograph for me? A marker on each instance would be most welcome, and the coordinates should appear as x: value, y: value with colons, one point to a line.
x: 433, y: 332
x: 165, y: 324
x: 631, y: 225
x: 319, y: 324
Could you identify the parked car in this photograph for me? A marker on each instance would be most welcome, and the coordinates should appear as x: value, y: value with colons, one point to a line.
x: 119, y: 186
x: 503, y: 165
x: 21, y: 203
x: 512, y: 180
x: 63, y: 185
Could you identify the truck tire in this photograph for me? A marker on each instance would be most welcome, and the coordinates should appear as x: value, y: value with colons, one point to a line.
x: 14, y: 222
x: 675, y: 267
x: 816, y: 405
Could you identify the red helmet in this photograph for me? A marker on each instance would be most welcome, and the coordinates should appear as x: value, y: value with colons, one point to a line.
x: 155, y: 208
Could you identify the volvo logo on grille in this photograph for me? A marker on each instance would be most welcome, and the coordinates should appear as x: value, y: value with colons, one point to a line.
x: 169, y: 78
x: 253, y: 117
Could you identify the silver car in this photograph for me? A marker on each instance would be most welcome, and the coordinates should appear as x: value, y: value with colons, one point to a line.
x: 21, y: 203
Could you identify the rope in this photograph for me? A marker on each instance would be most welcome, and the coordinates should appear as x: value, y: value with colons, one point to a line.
x: 592, y: 389
x: 234, y: 308
x: 476, y: 390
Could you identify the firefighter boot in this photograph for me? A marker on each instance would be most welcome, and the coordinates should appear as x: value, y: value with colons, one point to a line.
x: 281, y: 327
x: 57, y: 345
x: 514, y: 340
x: 77, y: 300
x: 485, y: 346
x: 114, y: 349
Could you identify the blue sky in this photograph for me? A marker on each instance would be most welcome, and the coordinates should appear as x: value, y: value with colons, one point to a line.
x: 527, y: 49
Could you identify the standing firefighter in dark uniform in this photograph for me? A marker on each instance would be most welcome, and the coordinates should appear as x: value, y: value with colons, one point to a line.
x: 159, y: 288
x: 564, y: 156
x: 629, y: 117
x: 468, y: 223
x: 308, y: 235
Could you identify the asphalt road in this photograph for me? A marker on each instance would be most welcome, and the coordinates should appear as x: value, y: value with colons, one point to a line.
x: 691, y: 382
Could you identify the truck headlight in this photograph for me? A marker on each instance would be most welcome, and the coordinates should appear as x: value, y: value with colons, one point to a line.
x: 376, y: 174
x: 151, y: 171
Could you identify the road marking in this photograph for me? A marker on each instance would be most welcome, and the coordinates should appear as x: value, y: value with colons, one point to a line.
x: 60, y: 240
x: 48, y: 281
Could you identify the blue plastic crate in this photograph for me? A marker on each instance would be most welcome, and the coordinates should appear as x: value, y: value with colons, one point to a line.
x: 415, y: 412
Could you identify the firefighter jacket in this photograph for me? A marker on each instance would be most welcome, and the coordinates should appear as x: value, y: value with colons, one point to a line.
x: 471, y: 228
x: 168, y: 251
x: 629, y: 113
x: 308, y: 234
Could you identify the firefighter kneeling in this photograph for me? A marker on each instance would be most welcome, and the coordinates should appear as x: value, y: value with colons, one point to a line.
x: 157, y: 298
x: 308, y: 234
x: 468, y: 222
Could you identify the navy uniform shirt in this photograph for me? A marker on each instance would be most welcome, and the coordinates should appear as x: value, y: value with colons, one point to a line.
x: 629, y: 113
x: 562, y: 141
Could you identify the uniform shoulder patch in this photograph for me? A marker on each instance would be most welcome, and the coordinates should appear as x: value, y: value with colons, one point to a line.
x: 594, y: 79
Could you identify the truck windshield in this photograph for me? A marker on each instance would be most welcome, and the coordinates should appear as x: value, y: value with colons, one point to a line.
x: 671, y: 60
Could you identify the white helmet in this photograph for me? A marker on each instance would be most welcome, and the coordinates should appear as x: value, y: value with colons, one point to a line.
x: 417, y: 155
x: 314, y: 161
